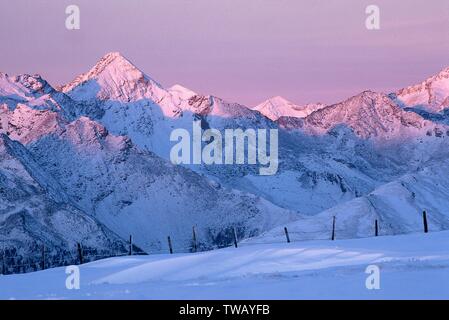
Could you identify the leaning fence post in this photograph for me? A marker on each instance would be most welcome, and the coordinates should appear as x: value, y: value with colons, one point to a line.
x: 195, y: 245
x: 43, y: 257
x: 333, y: 228
x: 80, y: 252
x: 235, y: 238
x: 169, y: 245
x: 424, y: 217
x: 130, y: 245
x: 286, y: 234
x: 376, y: 228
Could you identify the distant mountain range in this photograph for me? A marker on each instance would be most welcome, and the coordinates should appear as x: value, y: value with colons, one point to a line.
x: 89, y: 162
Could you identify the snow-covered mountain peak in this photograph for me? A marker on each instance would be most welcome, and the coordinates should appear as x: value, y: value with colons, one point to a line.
x: 370, y: 115
x: 90, y: 136
x: 215, y: 107
x: 430, y: 95
x: 24, y: 86
x: 115, y: 78
x: 35, y: 95
x: 182, y: 92
x: 367, y: 99
x: 114, y: 55
x: 441, y: 75
x: 277, y: 107
x: 114, y: 64
x: 370, y: 94
x: 278, y: 100
x: 34, y: 83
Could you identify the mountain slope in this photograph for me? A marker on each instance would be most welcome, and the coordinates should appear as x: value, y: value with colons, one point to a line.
x: 397, y: 205
x: 34, y: 212
x: 34, y: 92
x: 135, y: 192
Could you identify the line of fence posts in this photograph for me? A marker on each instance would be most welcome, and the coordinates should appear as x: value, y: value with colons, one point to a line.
x: 287, y: 236
x: 235, y: 238
x: 195, y: 241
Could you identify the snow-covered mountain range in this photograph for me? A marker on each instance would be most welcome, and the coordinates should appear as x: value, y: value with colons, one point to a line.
x: 93, y: 156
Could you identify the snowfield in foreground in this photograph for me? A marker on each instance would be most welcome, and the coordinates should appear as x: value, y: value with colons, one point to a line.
x: 411, y: 267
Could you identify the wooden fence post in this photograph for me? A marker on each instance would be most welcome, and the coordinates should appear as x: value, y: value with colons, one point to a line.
x: 235, y: 238
x: 43, y: 257
x: 3, y: 261
x: 130, y: 245
x: 424, y: 217
x: 286, y: 234
x: 169, y: 245
x: 333, y: 228
x: 376, y: 228
x: 195, y: 245
x: 80, y: 252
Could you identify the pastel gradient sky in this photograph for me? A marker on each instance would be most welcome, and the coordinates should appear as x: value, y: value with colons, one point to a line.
x: 240, y: 50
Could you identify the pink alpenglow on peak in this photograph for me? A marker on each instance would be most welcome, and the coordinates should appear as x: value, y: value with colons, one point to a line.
x: 369, y: 115
x: 182, y: 92
x: 23, y: 87
x: 431, y: 95
x: 277, y: 107
x: 114, y: 78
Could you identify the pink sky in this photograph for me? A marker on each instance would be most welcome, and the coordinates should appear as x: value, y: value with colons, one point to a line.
x: 240, y: 50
